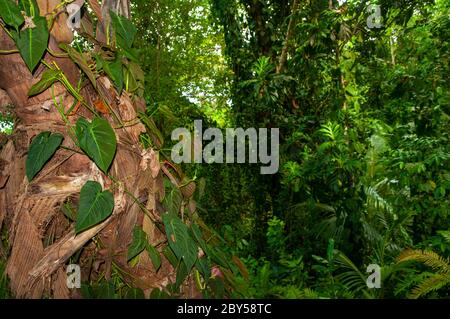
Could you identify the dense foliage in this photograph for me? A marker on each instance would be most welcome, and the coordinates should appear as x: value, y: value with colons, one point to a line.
x: 363, y: 113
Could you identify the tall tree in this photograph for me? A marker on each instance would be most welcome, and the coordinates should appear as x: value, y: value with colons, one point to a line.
x: 89, y: 109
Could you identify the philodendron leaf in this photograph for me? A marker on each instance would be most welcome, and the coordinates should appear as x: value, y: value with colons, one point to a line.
x: 10, y: 13
x: 134, y: 293
x: 98, y: 140
x: 182, y: 273
x: 48, y: 78
x: 139, y: 243
x: 179, y: 240
x: 106, y: 290
x: 94, y: 207
x: 81, y: 60
x: 133, y: 78
x: 41, y: 150
x: 125, y: 30
x: 30, y: 7
x: 114, y: 69
x: 154, y: 256
x: 32, y: 42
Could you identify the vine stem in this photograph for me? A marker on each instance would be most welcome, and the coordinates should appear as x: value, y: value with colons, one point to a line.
x: 8, y: 51
x: 60, y: 108
x: 63, y: 79
x: 6, y: 30
x: 71, y: 149
x: 56, y: 54
x: 118, y: 183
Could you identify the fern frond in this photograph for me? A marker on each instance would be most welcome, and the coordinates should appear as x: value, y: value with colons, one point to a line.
x: 309, y: 294
x: 446, y: 235
x: 433, y: 283
x: 429, y: 258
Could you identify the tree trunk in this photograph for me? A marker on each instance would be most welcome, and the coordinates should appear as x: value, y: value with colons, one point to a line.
x: 41, y: 239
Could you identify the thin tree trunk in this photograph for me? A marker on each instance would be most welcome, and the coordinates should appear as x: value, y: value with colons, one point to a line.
x: 290, y: 31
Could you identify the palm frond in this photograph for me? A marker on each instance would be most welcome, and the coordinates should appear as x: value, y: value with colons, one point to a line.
x: 308, y: 293
x: 446, y: 235
x: 375, y: 200
x: 429, y: 258
x: 352, y: 278
x: 433, y: 283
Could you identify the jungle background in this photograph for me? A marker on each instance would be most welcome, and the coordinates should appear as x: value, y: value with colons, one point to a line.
x: 363, y: 114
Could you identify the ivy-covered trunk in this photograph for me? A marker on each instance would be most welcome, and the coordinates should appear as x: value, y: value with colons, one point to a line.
x: 38, y: 198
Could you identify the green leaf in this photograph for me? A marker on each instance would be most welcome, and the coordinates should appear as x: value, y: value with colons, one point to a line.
x: 48, y: 78
x: 154, y: 256
x: 168, y: 253
x: 98, y: 140
x: 134, y: 293
x: 41, y: 150
x: 133, y: 78
x: 81, y: 61
x: 32, y: 42
x: 30, y: 7
x: 10, y: 13
x: 153, y: 130
x: 125, y: 30
x: 114, y: 70
x: 173, y: 198
x: 94, y: 207
x: 69, y: 211
x: 158, y: 294
x: 179, y: 240
x: 131, y: 53
x: 87, y: 291
x: 197, y: 235
x: 203, y: 267
x: 182, y: 273
x: 106, y: 290
x: 139, y: 243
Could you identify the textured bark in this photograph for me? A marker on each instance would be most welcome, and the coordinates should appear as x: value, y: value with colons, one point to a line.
x: 41, y: 239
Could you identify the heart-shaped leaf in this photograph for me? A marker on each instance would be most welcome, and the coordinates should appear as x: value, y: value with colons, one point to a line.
x: 125, y: 30
x: 139, y: 243
x: 32, y: 42
x: 98, y: 140
x: 41, y: 150
x: 10, y: 13
x: 48, y: 78
x: 114, y: 69
x: 179, y: 240
x: 94, y: 207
